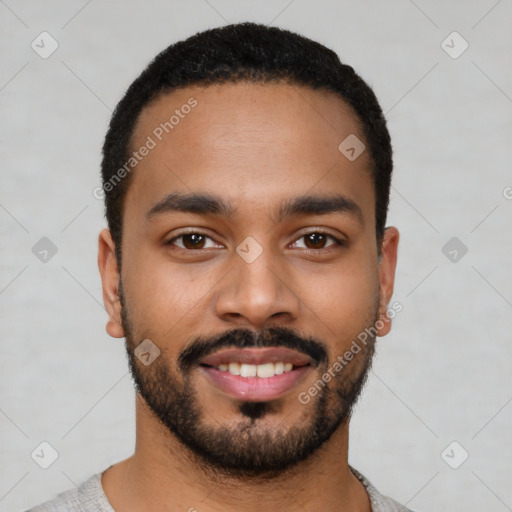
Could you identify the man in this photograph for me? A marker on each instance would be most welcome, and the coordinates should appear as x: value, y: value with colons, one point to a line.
x: 246, y: 175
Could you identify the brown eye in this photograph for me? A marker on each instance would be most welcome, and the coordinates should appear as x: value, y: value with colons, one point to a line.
x: 318, y: 240
x: 191, y: 241
x: 315, y: 240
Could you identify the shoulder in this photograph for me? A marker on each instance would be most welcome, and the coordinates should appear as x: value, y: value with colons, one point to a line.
x: 89, y: 496
x: 379, y: 502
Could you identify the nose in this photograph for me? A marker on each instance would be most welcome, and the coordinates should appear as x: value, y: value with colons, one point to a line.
x: 256, y: 294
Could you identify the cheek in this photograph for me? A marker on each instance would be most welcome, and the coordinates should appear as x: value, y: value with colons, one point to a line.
x: 160, y: 293
x: 342, y: 299
x: 341, y: 303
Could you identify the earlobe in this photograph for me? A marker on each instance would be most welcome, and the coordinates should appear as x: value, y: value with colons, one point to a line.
x: 387, y: 266
x: 110, y: 279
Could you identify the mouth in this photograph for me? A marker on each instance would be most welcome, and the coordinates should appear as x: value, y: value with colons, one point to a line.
x: 256, y: 374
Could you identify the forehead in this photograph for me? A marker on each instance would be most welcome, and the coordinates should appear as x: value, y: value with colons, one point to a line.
x: 221, y: 109
x: 247, y: 141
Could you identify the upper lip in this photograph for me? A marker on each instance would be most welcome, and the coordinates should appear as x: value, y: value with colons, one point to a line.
x: 257, y: 356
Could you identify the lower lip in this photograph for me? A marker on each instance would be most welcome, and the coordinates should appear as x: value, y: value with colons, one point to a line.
x: 256, y: 389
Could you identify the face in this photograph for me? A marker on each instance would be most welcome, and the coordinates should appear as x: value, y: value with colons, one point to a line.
x: 249, y: 260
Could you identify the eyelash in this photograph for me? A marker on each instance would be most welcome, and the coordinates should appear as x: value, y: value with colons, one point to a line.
x: 338, y: 242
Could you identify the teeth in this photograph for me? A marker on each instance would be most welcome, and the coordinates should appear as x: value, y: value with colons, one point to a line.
x: 263, y: 371
x: 233, y: 368
x: 248, y: 370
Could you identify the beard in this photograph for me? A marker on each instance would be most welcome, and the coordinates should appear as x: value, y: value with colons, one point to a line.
x: 249, y: 447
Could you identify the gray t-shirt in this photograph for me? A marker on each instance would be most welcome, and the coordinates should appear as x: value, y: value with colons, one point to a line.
x: 89, y: 497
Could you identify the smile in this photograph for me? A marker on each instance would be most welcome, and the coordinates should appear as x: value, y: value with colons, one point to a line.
x: 256, y: 374
x: 263, y: 371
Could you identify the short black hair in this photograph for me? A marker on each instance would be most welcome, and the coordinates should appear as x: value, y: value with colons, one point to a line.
x: 235, y: 53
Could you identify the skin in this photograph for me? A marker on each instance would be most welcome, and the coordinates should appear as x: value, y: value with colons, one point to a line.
x: 253, y: 145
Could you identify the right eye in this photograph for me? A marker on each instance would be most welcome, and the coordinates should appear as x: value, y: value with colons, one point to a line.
x: 191, y: 241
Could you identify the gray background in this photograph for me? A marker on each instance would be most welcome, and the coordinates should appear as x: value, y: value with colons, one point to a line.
x: 442, y: 375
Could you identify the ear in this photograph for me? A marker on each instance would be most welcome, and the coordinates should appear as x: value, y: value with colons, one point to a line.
x: 110, y: 279
x: 387, y: 266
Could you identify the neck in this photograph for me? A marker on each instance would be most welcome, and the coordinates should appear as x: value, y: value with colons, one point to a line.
x: 162, y: 474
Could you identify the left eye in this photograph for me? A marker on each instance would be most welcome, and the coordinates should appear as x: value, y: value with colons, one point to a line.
x: 317, y: 240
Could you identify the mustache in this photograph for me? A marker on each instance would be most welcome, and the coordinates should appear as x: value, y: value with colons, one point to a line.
x: 245, y: 338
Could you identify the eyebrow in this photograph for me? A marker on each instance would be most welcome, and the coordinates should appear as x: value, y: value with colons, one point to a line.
x: 204, y: 204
